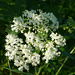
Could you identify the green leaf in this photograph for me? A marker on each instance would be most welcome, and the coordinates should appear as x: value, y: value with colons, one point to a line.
x: 8, y: 30
x: 69, y: 25
x: 17, y: 71
x: 51, y: 62
x: 72, y: 73
x: 6, y: 0
x: 38, y: 51
x: 20, y: 72
x: 65, y: 53
x: 9, y: 10
x: 1, y: 73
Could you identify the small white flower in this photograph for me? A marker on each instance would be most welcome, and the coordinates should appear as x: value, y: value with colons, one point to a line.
x: 20, y: 68
x: 58, y: 39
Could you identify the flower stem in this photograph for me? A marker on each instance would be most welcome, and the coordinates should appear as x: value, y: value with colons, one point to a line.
x: 64, y: 62
x: 9, y: 68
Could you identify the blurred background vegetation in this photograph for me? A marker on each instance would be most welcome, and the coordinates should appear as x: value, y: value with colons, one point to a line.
x: 64, y: 10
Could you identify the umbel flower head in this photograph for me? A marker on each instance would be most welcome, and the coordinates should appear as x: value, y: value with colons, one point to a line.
x: 38, y: 29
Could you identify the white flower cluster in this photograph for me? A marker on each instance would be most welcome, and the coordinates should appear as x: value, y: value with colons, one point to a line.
x: 38, y: 29
x: 30, y: 19
x: 58, y: 39
x: 20, y: 53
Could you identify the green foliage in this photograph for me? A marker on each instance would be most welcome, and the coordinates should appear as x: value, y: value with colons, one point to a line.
x: 64, y: 10
x: 69, y: 25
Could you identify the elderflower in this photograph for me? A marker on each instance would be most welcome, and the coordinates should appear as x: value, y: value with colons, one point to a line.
x: 34, y: 33
x: 58, y: 39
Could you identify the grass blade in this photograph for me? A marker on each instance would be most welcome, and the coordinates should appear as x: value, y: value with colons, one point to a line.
x: 17, y: 71
x: 64, y: 62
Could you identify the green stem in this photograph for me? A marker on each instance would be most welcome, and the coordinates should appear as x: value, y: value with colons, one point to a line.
x: 9, y: 68
x: 38, y: 73
x: 64, y: 62
x: 35, y: 70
